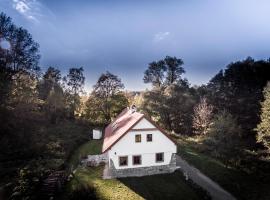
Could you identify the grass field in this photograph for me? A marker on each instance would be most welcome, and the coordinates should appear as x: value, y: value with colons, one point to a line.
x: 241, y: 184
x: 166, y: 186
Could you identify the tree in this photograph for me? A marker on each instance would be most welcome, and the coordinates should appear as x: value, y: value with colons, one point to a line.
x: 174, y: 69
x: 171, y: 107
x: 107, y: 99
x: 155, y: 73
x: 224, y: 137
x: 202, y: 117
x: 263, y: 127
x: 23, y: 53
x: 238, y: 89
x: 51, y: 79
x: 165, y: 72
x: 23, y: 97
x: 75, y: 82
x: 51, y: 92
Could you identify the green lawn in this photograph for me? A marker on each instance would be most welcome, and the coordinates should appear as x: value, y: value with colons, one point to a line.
x: 166, y: 186
x: 240, y: 184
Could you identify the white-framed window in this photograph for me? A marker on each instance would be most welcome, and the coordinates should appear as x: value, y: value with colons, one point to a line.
x: 159, y: 157
x: 123, y: 161
x: 138, y: 138
x: 137, y: 160
x: 149, y: 137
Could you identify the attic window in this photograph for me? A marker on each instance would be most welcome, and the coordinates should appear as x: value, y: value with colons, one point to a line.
x: 138, y: 138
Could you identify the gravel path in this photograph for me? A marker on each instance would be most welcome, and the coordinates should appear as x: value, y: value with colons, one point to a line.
x: 216, y: 192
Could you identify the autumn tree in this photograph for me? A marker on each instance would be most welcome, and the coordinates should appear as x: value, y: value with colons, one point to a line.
x: 263, y: 127
x: 202, y: 117
x: 107, y: 99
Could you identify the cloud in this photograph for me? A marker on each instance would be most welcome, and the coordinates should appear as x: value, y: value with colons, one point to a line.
x: 28, y: 8
x: 161, y: 36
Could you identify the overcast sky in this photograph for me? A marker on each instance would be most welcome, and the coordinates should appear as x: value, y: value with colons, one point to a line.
x: 123, y: 36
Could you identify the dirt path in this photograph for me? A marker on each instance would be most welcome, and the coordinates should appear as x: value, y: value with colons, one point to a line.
x: 216, y: 192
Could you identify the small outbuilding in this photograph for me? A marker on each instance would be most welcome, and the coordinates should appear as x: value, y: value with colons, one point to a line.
x: 97, y: 134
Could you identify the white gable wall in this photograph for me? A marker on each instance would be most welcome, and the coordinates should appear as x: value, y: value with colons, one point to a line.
x: 127, y: 146
x: 144, y: 123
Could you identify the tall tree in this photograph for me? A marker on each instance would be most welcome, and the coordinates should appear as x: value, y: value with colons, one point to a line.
x: 107, y: 99
x: 174, y: 69
x: 171, y: 107
x: 51, y: 92
x: 263, y: 127
x: 75, y: 82
x: 23, y: 52
x: 23, y: 96
x: 202, y: 117
x: 20, y: 52
x: 165, y: 72
x: 51, y: 79
x: 155, y: 73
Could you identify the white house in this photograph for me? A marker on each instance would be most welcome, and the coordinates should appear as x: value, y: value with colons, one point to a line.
x: 137, y: 147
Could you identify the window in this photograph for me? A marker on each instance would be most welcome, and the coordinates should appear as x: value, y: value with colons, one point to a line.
x: 149, y: 137
x: 137, y: 138
x: 137, y: 160
x: 159, y: 157
x: 123, y: 161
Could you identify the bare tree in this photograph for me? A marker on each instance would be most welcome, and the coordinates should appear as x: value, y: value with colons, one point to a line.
x: 202, y: 117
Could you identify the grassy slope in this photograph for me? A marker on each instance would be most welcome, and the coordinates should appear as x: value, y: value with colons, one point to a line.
x: 167, y: 186
x: 239, y: 183
x: 89, y: 148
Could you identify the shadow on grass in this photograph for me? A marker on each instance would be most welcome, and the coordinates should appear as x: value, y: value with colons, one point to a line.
x: 164, y: 186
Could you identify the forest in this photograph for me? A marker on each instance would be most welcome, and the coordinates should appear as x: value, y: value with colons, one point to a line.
x: 45, y: 115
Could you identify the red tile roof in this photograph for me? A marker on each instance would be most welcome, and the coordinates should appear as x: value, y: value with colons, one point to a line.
x: 121, y: 125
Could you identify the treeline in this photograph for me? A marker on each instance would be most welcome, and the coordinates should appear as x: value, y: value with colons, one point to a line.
x: 225, y: 112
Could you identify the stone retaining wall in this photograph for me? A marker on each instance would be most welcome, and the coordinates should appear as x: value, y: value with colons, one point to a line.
x: 143, y: 171
x: 95, y: 160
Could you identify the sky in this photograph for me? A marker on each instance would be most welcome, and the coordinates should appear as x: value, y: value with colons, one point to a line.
x: 123, y: 36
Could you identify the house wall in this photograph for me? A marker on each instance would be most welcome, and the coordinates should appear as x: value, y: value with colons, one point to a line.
x: 127, y: 146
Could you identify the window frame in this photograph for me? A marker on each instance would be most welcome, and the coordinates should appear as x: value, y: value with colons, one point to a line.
x: 136, y: 138
x: 137, y: 156
x: 151, y: 137
x: 119, y: 163
x: 160, y: 161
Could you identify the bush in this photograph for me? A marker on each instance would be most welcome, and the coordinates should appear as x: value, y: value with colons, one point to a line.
x: 224, y: 138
